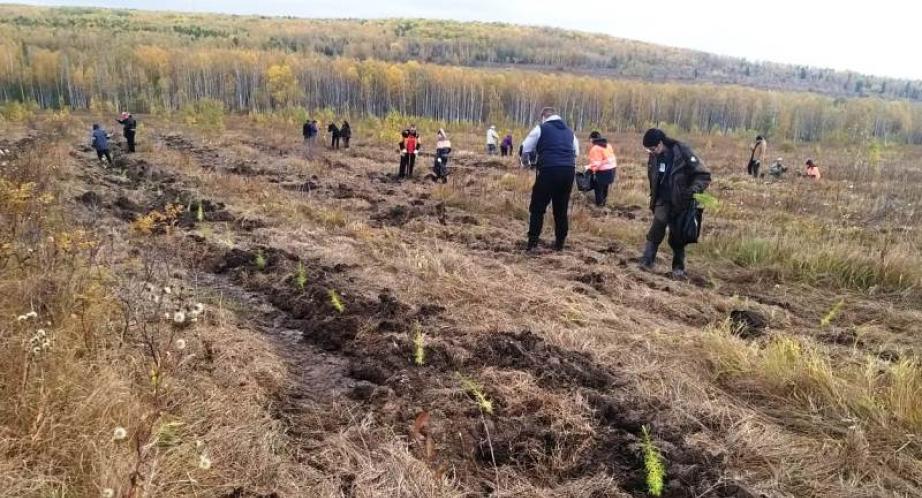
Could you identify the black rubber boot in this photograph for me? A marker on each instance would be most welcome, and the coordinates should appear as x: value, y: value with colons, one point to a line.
x: 649, y: 256
x: 678, y: 264
x: 532, y: 245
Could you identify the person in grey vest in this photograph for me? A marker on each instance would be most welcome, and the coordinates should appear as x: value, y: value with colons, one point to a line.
x: 555, y: 147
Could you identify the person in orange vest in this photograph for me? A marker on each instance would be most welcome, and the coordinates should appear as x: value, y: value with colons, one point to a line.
x: 602, y: 164
x: 813, y: 171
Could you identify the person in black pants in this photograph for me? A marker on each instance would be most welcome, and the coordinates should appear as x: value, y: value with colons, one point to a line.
x: 675, y: 174
x: 334, y: 135
x: 556, y: 147
x: 129, y: 126
x: 346, y: 133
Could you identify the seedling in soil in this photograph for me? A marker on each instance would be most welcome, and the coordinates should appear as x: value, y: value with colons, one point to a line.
x: 260, y: 260
x: 476, y: 391
x: 419, y: 346
x: 653, y: 462
x: 301, y: 276
x: 199, y: 213
x: 336, y: 302
x: 832, y: 314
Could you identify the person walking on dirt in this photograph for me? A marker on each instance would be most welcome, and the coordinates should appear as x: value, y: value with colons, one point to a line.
x: 675, y: 174
x: 346, y: 133
x: 813, y: 171
x: 557, y: 148
x: 442, y: 151
x: 100, y: 142
x: 603, y: 164
x: 334, y: 135
x: 492, y: 138
x: 129, y: 126
x: 759, y: 149
x: 505, y: 148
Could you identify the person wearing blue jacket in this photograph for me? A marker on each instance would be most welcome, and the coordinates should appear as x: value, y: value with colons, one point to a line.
x: 555, y: 148
x: 100, y: 142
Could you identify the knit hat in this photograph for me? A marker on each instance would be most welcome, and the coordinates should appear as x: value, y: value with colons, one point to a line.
x: 594, y: 135
x: 653, y: 137
x: 125, y: 115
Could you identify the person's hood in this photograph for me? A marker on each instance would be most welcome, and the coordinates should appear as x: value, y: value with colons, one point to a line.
x: 601, y: 142
x: 556, y: 123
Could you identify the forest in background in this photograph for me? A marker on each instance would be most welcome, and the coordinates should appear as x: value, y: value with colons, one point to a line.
x: 458, y: 72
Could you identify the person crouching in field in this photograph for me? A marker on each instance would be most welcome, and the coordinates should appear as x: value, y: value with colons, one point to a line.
x: 442, y: 151
x: 100, y: 142
x: 602, y: 164
x: 813, y: 171
x: 675, y: 174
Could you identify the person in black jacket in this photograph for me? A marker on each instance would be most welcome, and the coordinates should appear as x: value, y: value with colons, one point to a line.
x: 675, y: 174
x: 129, y: 126
x: 346, y: 133
x: 334, y: 135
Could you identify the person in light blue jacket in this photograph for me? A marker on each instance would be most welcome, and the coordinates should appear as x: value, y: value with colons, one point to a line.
x: 101, y: 143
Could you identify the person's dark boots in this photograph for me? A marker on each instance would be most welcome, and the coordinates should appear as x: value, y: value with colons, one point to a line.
x: 532, y: 245
x: 649, y: 256
x: 678, y: 264
x: 558, y: 245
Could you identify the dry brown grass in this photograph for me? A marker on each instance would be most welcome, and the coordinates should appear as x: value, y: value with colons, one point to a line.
x: 790, y: 416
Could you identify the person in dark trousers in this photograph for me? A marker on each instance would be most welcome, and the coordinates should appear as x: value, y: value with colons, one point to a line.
x: 675, y: 174
x: 404, y: 156
x: 306, y: 131
x: 556, y: 147
x: 346, y: 133
x: 100, y: 142
x: 334, y: 135
x: 505, y: 147
x: 129, y: 126
x: 603, y: 164
x: 758, y: 155
x: 412, y: 147
x: 442, y: 151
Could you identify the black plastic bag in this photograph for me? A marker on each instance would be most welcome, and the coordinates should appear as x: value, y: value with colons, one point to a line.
x: 584, y: 181
x: 689, y: 223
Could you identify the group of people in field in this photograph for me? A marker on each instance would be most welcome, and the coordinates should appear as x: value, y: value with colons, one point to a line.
x: 675, y: 174
x: 340, y: 134
x: 777, y: 168
x: 99, y: 137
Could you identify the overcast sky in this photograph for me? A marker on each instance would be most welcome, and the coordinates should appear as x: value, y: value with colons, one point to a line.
x: 881, y: 37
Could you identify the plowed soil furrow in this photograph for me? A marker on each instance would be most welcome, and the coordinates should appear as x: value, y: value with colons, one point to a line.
x: 364, y: 349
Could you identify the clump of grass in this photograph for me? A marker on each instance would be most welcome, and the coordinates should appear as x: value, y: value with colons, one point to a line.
x: 336, y: 301
x: 260, y: 260
x: 653, y: 463
x: 707, y: 200
x: 301, y: 276
x: 419, y: 346
x: 832, y: 314
x: 475, y: 390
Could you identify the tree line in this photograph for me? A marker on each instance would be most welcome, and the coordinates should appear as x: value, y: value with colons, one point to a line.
x: 446, y: 43
x: 168, y: 66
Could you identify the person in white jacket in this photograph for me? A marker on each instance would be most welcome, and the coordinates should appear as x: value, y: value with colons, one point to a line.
x: 492, y: 138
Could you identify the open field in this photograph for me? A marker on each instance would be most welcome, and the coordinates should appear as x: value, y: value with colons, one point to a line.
x: 330, y: 331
